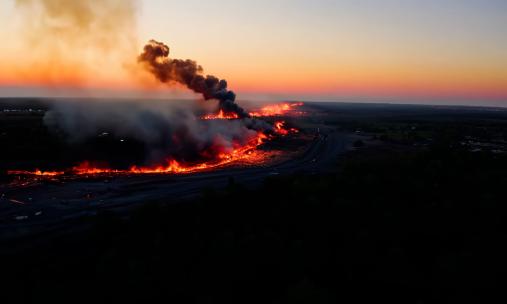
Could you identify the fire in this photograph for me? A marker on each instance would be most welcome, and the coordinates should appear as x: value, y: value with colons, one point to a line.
x: 220, y: 115
x: 37, y: 172
x: 269, y: 110
x: 281, y: 130
x: 276, y: 109
x: 246, y: 152
x: 87, y: 168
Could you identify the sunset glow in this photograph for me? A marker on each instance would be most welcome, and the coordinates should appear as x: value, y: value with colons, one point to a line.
x: 460, y: 55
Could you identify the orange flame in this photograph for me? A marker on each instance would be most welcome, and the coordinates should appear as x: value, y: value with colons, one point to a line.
x: 279, y: 128
x: 241, y: 153
x: 220, y: 115
x: 247, y: 152
x: 37, y: 172
x: 276, y: 109
x: 244, y: 152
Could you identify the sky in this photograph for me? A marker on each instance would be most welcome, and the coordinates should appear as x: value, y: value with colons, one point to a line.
x: 401, y: 51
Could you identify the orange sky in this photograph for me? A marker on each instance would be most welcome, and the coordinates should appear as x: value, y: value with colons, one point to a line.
x: 314, y: 49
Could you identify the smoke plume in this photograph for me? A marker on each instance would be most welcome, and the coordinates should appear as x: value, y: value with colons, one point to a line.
x: 167, y: 130
x: 72, y: 40
x: 187, y: 72
x: 76, y: 36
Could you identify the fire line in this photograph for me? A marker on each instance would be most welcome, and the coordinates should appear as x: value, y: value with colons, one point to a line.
x: 247, y: 152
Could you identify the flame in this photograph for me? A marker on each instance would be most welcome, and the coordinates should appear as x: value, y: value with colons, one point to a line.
x: 220, y: 115
x: 282, y: 130
x: 37, y: 172
x: 87, y: 168
x: 269, y: 110
x: 247, y: 152
x: 279, y: 128
x: 276, y: 109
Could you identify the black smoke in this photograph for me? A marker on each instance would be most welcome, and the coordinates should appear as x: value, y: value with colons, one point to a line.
x: 166, y: 130
x: 155, y: 57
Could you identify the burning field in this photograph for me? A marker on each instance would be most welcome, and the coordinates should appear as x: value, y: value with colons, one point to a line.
x: 210, y: 141
x: 172, y: 138
x: 218, y: 153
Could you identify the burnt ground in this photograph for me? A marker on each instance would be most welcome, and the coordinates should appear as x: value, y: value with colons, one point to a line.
x: 384, y: 202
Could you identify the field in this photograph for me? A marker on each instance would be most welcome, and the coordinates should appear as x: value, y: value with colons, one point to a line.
x: 368, y: 202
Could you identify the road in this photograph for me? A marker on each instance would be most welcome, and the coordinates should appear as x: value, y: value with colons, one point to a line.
x: 48, y: 206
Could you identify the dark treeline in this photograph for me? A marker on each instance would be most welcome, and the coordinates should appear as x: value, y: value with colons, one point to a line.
x: 418, y: 227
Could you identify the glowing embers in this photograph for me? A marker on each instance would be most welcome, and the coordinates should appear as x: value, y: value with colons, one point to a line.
x: 246, y: 152
x: 220, y: 115
x: 280, y: 129
x: 36, y: 173
x: 219, y: 155
x: 278, y: 110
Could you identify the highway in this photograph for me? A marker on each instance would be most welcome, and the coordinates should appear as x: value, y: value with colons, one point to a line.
x: 47, y: 206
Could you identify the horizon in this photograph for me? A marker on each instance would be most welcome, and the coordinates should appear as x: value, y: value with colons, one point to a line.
x: 400, y: 52
x: 250, y: 102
